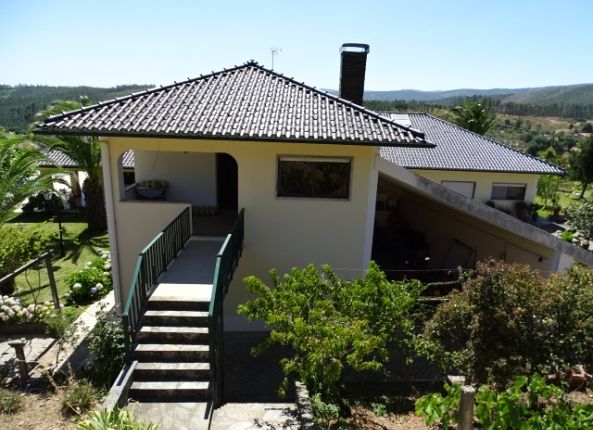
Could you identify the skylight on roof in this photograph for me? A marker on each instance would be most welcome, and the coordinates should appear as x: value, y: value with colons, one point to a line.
x: 401, y: 119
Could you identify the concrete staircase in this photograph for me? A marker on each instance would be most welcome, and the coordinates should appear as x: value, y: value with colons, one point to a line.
x: 173, y: 354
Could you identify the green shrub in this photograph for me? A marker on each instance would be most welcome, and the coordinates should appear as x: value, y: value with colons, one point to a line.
x: 439, y: 409
x: 509, y: 321
x: 107, y: 347
x: 79, y: 397
x: 324, y: 413
x: 332, y: 324
x: 120, y: 419
x: 91, y: 282
x: 567, y: 235
x: 39, y: 203
x: 19, y: 244
x: 529, y: 403
x: 580, y: 216
x: 10, y: 402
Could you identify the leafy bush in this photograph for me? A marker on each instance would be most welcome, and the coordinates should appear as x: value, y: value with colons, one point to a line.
x: 11, y: 311
x: 529, y: 403
x: 510, y: 321
x: 79, y: 397
x: 107, y: 346
x: 324, y: 413
x: 436, y: 408
x: 10, y: 402
x: 105, y: 419
x: 39, y: 203
x: 19, y: 244
x: 92, y: 282
x: 580, y: 216
x: 331, y: 324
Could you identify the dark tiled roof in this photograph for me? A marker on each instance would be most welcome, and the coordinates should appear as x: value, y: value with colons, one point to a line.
x: 459, y: 149
x: 56, y: 158
x: 247, y: 102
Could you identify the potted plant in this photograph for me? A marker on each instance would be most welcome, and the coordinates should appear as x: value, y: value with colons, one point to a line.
x: 153, y: 189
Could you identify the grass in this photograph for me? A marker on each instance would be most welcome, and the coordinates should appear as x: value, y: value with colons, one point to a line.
x: 80, y: 246
x: 569, y: 192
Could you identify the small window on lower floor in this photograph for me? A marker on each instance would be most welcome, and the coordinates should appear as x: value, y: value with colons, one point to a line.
x: 309, y: 177
x: 508, y: 191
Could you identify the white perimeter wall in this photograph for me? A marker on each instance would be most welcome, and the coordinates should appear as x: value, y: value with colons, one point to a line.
x: 279, y: 232
x: 191, y: 176
x: 484, y: 181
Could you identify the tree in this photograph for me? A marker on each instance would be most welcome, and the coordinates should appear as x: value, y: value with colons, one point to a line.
x: 332, y: 324
x: 548, y: 185
x: 587, y: 128
x: 86, y: 153
x: 474, y: 116
x: 19, y: 174
x: 581, y: 164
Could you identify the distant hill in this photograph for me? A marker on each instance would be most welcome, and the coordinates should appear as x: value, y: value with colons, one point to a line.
x: 567, y: 94
x: 570, y: 94
x: 20, y: 103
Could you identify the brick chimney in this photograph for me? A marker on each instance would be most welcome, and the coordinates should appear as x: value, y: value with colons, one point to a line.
x: 354, y: 61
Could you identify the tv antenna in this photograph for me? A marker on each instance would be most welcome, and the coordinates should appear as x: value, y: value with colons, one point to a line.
x: 274, y: 51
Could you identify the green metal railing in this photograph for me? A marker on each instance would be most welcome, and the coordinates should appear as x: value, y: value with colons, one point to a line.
x: 226, y: 263
x: 152, y: 262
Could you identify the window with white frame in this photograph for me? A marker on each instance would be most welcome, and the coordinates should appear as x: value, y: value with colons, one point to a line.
x: 314, y: 177
x: 502, y: 191
x: 465, y: 188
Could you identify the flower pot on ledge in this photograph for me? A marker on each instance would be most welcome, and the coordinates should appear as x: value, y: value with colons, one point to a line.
x: 150, y: 193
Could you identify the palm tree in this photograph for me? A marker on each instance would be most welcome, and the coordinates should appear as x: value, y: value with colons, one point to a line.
x: 86, y: 153
x: 19, y: 174
x: 473, y: 116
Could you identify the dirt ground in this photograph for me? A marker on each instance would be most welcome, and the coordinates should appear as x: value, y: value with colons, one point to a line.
x: 41, y: 412
x: 365, y: 419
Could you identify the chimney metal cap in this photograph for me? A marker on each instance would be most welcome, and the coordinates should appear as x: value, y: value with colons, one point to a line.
x: 355, y: 47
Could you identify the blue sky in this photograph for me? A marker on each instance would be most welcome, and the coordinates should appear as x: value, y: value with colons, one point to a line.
x: 424, y: 44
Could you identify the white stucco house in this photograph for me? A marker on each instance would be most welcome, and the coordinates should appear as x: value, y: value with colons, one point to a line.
x: 317, y: 176
x: 236, y: 139
x: 472, y: 165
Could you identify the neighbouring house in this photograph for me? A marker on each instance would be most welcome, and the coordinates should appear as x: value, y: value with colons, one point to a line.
x: 70, y: 178
x: 291, y: 174
x: 468, y: 163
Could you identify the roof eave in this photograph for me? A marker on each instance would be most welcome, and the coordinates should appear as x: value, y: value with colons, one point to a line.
x: 455, y: 169
x: 48, y: 131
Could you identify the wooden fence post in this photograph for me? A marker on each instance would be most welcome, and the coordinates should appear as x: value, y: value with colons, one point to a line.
x: 52, y: 281
x: 19, y: 349
x: 466, y: 408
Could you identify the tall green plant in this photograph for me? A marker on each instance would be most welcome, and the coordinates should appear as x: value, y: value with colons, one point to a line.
x: 86, y: 153
x: 581, y: 165
x: 19, y: 173
x: 333, y: 324
x: 474, y: 116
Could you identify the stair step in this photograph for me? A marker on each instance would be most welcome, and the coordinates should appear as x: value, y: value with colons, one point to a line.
x: 171, y: 352
x: 194, y: 371
x: 156, y: 391
x: 172, y: 334
x: 193, y: 318
x: 177, y: 304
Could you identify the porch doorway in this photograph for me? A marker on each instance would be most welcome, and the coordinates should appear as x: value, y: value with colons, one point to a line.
x: 226, y: 183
